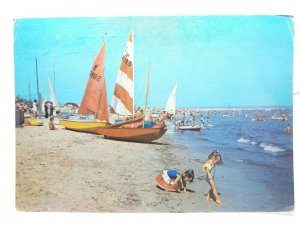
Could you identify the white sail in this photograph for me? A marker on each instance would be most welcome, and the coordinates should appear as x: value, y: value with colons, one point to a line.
x: 171, y: 103
x: 123, y: 97
x: 52, y: 96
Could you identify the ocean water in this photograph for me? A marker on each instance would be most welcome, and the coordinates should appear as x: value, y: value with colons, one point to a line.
x: 257, y: 173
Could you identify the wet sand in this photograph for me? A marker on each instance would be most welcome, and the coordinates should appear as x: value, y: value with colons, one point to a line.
x: 66, y: 171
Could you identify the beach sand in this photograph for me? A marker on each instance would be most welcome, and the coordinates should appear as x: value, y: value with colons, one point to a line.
x: 66, y: 171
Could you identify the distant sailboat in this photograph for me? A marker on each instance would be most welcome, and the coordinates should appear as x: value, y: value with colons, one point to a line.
x: 94, y: 101
x: 123, y: 103
x: 171, y: 103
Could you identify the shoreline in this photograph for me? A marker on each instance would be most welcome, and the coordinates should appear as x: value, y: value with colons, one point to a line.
x: 66, y: 171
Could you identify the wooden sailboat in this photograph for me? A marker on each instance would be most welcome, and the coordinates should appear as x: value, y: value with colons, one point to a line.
x: 94, y: 101
x: 171, y: 103
x: 123, y: 103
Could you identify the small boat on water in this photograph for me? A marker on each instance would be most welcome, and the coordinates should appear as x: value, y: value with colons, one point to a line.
x: 190, y: 127
x: 282, y: 118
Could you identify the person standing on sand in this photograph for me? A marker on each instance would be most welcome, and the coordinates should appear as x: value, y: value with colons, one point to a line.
x: 209, y: 167
x: 51, y: 109
x: 46, y: 109
x: 35, y: 108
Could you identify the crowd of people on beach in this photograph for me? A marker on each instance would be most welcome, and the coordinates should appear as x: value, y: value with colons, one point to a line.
x: 32, y: 108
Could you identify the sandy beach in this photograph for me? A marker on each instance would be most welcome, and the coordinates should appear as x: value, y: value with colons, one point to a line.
x: 66, y: 171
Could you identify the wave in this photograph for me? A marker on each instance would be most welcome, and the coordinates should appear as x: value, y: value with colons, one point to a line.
x: 244, y: 140
x: 271, y: 147
x: 264, y: 145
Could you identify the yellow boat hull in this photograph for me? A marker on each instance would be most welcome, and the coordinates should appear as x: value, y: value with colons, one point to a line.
x: 33, y: 122
x: 83, y: 126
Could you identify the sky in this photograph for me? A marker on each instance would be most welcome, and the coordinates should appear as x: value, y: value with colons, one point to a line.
x: 216, y: 61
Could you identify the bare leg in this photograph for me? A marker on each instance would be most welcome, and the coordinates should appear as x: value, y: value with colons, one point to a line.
x: 214, y: 191
x: 208, y: 195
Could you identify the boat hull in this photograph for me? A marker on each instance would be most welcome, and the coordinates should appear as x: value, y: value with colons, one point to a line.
x: 132, y: 134
x: 33, y: 122
x: 279, y: 118
x: 192, y: 128
x: 82, y: 126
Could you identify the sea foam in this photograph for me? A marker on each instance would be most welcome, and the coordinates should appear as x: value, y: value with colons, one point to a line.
x: 244, y: 140
x: 271, y: 147
x: 264, y: 145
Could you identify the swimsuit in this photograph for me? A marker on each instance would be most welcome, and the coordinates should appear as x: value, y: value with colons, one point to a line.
x: 207, y: 167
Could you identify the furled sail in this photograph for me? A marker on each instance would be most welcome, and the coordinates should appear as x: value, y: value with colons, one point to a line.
x: 123, y: 97
x: 95, y: 92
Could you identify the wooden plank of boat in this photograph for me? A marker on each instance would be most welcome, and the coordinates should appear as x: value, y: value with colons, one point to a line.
x: 132, y: 134
x: 188, y: 127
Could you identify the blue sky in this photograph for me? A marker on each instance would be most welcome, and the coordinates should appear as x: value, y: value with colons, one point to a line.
x: 215, y: 60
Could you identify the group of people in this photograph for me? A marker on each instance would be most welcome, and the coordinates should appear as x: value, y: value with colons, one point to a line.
x: 181, y: 177
x: 191, y: 120
x: 48, y: 108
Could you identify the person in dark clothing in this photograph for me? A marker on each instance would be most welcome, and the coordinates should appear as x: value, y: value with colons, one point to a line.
x: 51, y: 109
x: 46, y: 109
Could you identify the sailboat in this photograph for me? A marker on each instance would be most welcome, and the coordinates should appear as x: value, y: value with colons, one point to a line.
x: 93, y: 109
x: 53, y: 97
x: 171, y: 103
x: 123, y: 103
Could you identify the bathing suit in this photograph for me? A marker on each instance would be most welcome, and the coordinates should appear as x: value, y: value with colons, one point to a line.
x: 173, y: 174
x: 207, y: 167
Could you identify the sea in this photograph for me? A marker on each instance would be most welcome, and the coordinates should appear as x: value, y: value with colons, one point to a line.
x: 257, y: 170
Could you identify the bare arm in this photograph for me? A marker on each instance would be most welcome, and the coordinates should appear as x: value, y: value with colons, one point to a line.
x: 176, y: 182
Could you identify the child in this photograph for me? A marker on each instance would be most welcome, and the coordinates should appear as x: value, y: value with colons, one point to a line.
x: 213, y: 159
x: 181, y: 176
x: 51, y: 124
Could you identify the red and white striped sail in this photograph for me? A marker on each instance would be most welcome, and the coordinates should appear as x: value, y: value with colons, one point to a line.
x: 94, y: 100
x: 123, y: 98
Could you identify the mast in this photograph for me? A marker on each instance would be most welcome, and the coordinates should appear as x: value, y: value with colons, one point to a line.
x: 37, y: 76
x: 38, y: 91
x: 29, y: 92
x: 54, y: 76
x: 133, y: 74
x: 147, y: 92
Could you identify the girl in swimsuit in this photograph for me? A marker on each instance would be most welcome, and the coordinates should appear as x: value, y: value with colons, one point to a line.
x: 181, y: 176
x: 209, y: 167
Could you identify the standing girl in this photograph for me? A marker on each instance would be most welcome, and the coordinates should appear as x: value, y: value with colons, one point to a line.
x: 209, y: 167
